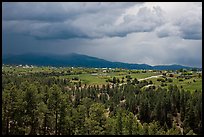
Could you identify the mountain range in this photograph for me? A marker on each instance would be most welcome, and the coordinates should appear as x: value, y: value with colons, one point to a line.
x: 78, y: 60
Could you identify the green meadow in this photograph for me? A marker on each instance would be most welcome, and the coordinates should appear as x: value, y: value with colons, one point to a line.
x: 93, y: 76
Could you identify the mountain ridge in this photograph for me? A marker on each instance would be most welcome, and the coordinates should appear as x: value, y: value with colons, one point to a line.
x: 79, y: 60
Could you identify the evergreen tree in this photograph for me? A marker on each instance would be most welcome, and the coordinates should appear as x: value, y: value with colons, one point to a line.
x: 54, y: 104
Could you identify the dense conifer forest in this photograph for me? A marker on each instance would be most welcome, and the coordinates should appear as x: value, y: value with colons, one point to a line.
x: 35, y: 104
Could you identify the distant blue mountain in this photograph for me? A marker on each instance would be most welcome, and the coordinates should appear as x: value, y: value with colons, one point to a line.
x: 78, y: 60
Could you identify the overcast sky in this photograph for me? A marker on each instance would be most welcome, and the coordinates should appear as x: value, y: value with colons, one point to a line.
x: 152, y: 33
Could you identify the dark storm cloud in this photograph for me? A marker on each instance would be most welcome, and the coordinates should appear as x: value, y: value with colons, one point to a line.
x: 83, y: 20
x: 95, y: 20
x: 56, y: 11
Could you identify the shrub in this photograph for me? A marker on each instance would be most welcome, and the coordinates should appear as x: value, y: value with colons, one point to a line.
x: 171, y: 75
x: 180, y: 79
x: 159, y: 79
x: 163, y: 80
x: 75, y: 78
x: 170, y: 80
x: 163, y: 84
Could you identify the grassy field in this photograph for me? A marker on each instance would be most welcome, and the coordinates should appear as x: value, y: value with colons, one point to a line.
x: 93, y: 76
x: 187, y: 84
x: 101, y: 78
x: 87, y: 79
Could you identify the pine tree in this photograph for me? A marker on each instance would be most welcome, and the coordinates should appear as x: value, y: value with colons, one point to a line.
x: 31, y: 108
x: 130, y: 123
x: 119, y: 124
x: 54, y: 104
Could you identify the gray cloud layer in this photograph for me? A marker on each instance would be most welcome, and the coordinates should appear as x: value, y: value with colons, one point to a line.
x: 95, y: 20
x: 63, y: 20
x: 128, y: 32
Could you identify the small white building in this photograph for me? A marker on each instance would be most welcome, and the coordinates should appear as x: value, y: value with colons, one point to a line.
x: 94, y: 74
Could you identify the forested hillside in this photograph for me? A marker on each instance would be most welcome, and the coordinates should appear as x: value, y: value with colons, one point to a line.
x: 78, y: 60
